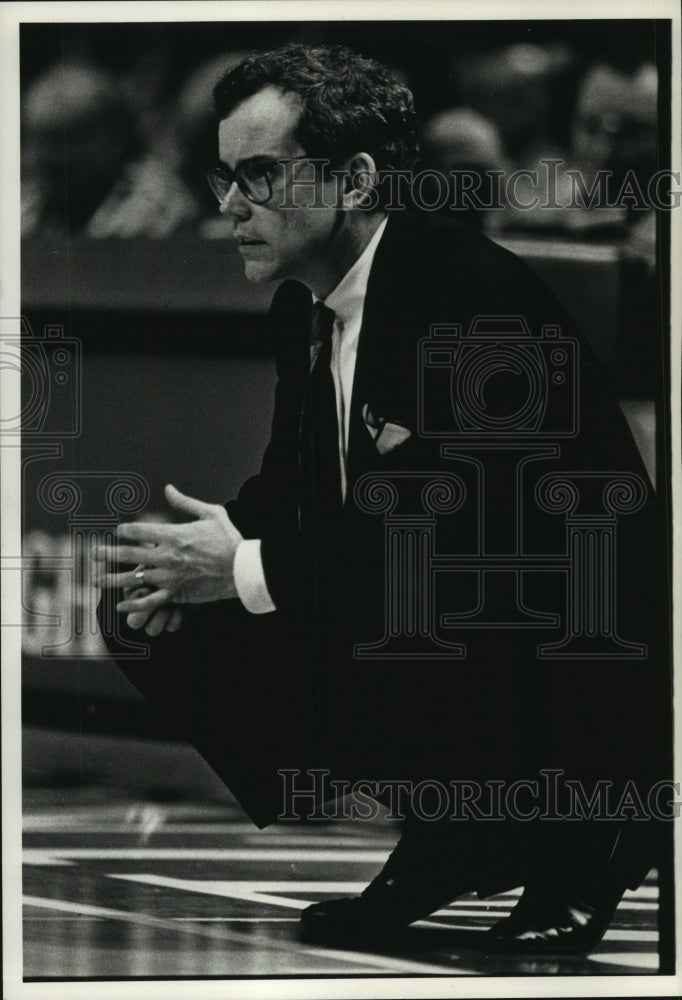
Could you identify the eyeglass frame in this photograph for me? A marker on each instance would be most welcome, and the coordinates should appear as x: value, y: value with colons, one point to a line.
x: 233, y: 177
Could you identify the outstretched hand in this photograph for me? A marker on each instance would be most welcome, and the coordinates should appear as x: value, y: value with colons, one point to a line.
x: 191, y: 563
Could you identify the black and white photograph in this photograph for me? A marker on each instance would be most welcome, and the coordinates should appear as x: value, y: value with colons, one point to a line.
x: 340, y: 449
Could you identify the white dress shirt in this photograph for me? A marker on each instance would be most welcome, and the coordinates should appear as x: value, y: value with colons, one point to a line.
x: 347, y: 302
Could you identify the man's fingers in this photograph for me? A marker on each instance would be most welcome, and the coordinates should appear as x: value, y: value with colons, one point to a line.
x: 152, y: 602
x: 161, y: 557
x: 137, y: 621
x: 169, y: 617
x: 158, y: 621
x: 130, y: 581
x: 186, y: 505
x: 145, y: 532
x: 176, y: 619
x: 126, y: 554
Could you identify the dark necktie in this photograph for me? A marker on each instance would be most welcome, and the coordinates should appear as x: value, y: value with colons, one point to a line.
x: 321, y: 486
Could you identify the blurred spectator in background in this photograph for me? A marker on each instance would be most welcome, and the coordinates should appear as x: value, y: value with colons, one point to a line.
x: 465, y: 142
x: 615, y: 121
x: 613, y: 130
x: 85, y: 168
x: 79, y: 134
x: 105, y: 158
x: 190, y: 143
x: 518, y: 88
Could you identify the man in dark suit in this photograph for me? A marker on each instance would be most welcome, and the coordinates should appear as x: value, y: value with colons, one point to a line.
x: 267, y: 615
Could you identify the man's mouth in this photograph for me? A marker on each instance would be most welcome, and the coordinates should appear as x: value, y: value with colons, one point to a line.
x: 245, y: 242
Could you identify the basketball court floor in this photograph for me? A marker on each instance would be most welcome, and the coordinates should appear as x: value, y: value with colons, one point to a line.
x: 117, y: 886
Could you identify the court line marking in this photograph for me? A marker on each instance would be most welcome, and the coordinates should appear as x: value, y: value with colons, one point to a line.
x: 238, y: 920
x: 611, y: 935
x: 124, y: 810
x: 631, y: 904
x: 127, y: 916
x: 379, y: 962
x: 36, y: 855
x: 253, y: 891
x: 631, y: 935
x: 261, y: 891
x: 127, y: 819
x: 393, y: 965
x: 39, y: 857
x: 480, y: 910
x: 72, y: 824
x: 644, y: 892
x: 494, y: 908
x: 244, y: 830
x: 264, y: 892
x: 246, y: 889
x: 454, y: 927
x: 456, y: 911
x: 633, y: 960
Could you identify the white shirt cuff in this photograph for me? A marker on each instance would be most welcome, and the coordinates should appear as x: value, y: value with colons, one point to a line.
x: 249, y: 578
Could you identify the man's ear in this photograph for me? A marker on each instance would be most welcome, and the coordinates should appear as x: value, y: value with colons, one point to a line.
x: 360, y: 182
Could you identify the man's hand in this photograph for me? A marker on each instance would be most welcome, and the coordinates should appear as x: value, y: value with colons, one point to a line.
x: 169, y: 618
x: 189, y: 563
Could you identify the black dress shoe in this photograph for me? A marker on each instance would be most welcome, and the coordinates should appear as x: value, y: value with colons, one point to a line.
x: 425, y: 872
x: 570, y: 899
x: 544, y: 921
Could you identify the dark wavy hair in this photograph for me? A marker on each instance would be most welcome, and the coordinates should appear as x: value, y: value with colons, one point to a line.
x: 350, y: 103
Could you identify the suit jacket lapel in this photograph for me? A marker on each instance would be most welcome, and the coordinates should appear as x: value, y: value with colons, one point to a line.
x: 385, y: 363
x: 379, y: 344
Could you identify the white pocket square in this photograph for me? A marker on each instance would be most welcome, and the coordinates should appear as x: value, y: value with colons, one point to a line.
x: 386, y: 434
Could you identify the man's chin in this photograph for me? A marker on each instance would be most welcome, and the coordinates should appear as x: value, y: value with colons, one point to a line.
x: 259, y: 272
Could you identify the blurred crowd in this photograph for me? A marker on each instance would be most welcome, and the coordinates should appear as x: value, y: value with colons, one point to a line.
x: 104, y: 157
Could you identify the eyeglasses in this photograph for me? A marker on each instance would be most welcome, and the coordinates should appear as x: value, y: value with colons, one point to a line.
x: 252, y: 177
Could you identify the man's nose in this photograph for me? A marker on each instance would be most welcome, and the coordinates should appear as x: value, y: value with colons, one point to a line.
x: 235, y: 204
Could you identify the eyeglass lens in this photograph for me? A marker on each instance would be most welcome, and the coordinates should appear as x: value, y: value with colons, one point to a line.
x: 251, y: 179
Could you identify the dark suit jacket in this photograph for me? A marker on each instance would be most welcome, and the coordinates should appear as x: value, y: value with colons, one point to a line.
x: 258, y: 693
